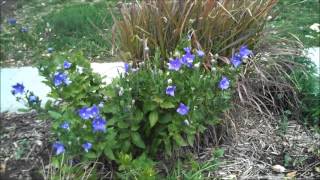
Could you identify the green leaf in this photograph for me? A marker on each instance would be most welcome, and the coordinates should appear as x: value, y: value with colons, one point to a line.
x: 23, y: 110
x: 167, y: 105
x: 153, y: 118
x: 108, y: 152
x: 190, y: 139
x: 157, y: 99
x: 90, y: 155
x: 122, y: 125
x: 55, y: 115
x: 218, y: 153
x: 180, y: 141
x: 165, y: 118
x: 149, y: 106
x: 137, y: 140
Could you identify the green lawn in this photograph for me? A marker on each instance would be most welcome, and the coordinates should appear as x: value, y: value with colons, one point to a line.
x: 295, y: 18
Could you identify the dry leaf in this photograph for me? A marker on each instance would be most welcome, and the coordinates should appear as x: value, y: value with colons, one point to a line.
x: 292, y: 174
x: 278, y: 168
x: 317, y: 169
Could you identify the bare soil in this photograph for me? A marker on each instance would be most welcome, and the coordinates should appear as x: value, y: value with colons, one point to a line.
x: 24, y: 147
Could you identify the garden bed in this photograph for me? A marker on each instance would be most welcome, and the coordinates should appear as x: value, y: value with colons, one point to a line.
x: 257, y: 146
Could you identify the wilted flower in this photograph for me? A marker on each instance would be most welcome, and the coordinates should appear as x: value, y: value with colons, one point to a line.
x: 12, y: 21
x: 61, y: 78
x: 200, y: 53
x: 170, y: 90
x: 197, y: 65
x: 183, y: 109
x: 99, y: 124
x: 236, y: 60
x: 87, y: 146
x: 66, y: 64
x: 58, y: 147
x: 174, y: 64
x: 224, y: 83
x: 50, y: 50
x: 101, y: 104
x: 244, y: 51
x: 65, y: 125
x: 24, y: 29
x: 17, y: 89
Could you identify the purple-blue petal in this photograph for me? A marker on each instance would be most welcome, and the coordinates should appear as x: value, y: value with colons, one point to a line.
x: 17, y: 89
x: 183, y: 109
x: 58, y: 147
x: 224, y: 83
x: 170, y: 90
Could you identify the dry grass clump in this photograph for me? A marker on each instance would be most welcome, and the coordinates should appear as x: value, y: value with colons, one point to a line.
x: 216, y: 26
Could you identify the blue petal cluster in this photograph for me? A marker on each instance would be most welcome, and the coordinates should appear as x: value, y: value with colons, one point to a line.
x: 127, y: 68
x: 88, y: 112
x: 65, y: 125
x: 188, y: 58
x: 174, y: 64
x: 224, y: 83
x: 67, y: 64
x: 17, y: 89
x: 183, y: 109
x: 61, y: 78
x: 58, y: 147
x: 12, y: 21
x: 237, y: 58
x: 86, y: 146
x: 33, y: 98
x: 24, y: 29
x: 99, y: 124
x: 170, y: 90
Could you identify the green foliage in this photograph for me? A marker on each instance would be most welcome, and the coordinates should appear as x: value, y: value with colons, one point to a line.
x: 139, y: 168
x: 215, y: 26
x: 295, y: 17
x: 80, y: 26
x: 306, y: 81
x: 191, y: 169
x: 142, y: 119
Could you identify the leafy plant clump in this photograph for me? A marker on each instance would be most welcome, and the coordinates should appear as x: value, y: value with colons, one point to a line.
x: 155, y: 108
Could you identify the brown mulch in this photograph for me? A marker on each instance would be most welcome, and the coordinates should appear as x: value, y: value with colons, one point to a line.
x: 24, y: 147
x: 259, y: 144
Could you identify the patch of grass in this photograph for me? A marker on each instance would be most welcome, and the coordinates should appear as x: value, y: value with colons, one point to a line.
x: 81, y: 26
x: 296, y: 17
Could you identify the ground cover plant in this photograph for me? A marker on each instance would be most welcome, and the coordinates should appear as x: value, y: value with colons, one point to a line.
x: 193, y: 71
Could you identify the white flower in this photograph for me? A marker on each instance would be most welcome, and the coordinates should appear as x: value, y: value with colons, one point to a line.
x: 133, y: 101
x: 315, y: 27
x: 176, y: 54
x: 79, y: 69
x: 197, y: 65
x: 169, y: 81
x: 121, y: 91
x: 186, y: 122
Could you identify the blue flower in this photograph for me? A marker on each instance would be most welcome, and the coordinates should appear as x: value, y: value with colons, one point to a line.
x: 99, y: 124
x: 87, y: 113
x: 188, y: 59
x: 12, y: 21
x: 224, y: 83
x: 17, y: 89
x: 24, y: 29
x: 94, y: 111
x: 187, y: 49
x: 200, y: 53
x: 58, y: 147
x: 61, y: 78
x: 67, y: 64
x: 244, y: 51
x: 236, y: 60
x: 65, y: 125
x: 183, y: 109
x: 126, y: 68
x: 174, y: 64
x: 170, y: 90
x: 87, y: 146
x: 50, y: 50
x: 33, y: 98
